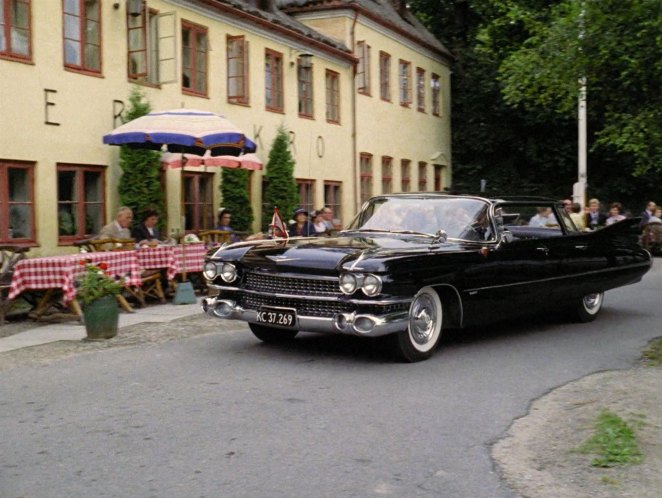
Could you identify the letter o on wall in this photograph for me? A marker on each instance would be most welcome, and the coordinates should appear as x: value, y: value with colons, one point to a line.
x: 320, y: 146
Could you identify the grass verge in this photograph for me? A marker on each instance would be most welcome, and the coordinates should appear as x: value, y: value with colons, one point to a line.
x: 614, y: 442
x: 652, y: 355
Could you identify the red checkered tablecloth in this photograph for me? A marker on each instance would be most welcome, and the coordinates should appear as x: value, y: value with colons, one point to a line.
x: 190, y: 258
x: 150, y: 258
x: 60, y: 272
x: 175, y: 259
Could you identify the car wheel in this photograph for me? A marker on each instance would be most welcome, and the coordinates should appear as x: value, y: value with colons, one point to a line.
x: 589, y: 306
x: 424, y: 331
x: 270, y: 334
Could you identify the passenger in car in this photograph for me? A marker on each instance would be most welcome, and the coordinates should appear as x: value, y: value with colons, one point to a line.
x: 301, y: 227
x: 544, y: 219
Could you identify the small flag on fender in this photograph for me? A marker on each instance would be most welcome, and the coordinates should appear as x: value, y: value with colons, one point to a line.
x: 278, y: 228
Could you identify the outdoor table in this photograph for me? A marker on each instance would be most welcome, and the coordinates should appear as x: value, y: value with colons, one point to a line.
x: 190, y: 257
x: 175, y: 259
x: 55, y: 273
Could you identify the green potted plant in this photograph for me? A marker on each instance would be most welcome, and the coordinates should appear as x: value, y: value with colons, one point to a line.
x: 96, y: 290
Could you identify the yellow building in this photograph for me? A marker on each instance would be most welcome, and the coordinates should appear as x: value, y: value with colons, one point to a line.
x: 361, y: 87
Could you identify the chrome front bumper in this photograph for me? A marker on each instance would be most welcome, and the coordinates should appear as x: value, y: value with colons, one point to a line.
x: 364, y: 325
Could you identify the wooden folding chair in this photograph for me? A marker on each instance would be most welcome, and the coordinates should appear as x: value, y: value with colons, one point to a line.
x: 216, y: 237
x: 151, y: 279
x: 9, y: 256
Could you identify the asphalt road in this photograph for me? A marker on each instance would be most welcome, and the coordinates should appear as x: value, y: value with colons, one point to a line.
x: 222, y: 414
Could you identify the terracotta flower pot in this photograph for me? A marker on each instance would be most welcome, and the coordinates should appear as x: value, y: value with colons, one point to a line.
x: 101, y: 318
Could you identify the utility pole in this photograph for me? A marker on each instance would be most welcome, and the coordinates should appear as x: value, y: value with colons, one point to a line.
x: 579, y: 188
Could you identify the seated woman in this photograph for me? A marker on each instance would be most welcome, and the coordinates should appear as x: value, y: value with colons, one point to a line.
x: 224, y: 220
x: 146, y: 233
x: 302, y: 227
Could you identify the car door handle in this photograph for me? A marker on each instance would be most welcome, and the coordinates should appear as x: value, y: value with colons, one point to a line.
x: 543, y: 249
x: 582, y: 247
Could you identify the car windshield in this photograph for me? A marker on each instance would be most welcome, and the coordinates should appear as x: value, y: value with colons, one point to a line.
x: 460, y: 218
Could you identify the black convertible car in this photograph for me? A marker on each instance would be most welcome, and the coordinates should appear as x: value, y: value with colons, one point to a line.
x: 411, y: 265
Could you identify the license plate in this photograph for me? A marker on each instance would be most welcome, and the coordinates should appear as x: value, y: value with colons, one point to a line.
x: 283, y: 317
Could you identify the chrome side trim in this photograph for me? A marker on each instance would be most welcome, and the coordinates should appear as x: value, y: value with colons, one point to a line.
x: 561, y: 277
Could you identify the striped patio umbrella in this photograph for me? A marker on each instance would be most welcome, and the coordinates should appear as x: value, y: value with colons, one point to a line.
x: 184, y: 131
x: 245, y: 161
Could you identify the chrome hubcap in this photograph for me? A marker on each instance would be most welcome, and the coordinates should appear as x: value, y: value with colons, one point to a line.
x: 422, y: 319
x: 592, y: 302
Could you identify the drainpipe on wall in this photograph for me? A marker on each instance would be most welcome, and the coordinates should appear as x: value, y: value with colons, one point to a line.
x: 357, y: 176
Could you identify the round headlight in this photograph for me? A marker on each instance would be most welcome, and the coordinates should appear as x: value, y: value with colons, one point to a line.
x: 209, y: 270
x: 348, y: 283
x: 372, y: 285
x: 228, y: 272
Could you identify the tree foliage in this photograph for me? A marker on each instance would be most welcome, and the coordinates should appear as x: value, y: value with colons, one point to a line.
x: 140, y: 185
x: 281, y: 189
x: 234, y: 195
x: 617, y: 47
x: 515, y: 90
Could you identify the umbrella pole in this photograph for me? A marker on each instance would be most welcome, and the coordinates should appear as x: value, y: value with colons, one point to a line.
x: 182, y: 198
x: 184, y: 293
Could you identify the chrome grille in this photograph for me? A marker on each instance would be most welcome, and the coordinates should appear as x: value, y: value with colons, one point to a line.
x: 315, y: 307
x: 298, y: 286
x: 304, y: 307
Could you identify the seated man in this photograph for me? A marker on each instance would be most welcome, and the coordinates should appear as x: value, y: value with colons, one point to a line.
x: 119, y: 227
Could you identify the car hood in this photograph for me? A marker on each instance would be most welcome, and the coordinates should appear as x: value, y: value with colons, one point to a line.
x: 371, y: 253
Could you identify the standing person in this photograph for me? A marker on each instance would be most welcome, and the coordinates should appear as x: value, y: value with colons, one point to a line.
x: 567, y: 205
x: 119, y: 227
x: 647, y: 213
x: 615, y: 213
x: 576, y: 216
x: 146, y: 233
x: 301, y: 227
x: 594, y: 218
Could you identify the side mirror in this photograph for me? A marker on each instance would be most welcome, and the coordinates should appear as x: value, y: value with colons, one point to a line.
x: 506, y: 236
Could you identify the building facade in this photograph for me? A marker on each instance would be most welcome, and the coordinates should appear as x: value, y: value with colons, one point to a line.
x: 361, y: 87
